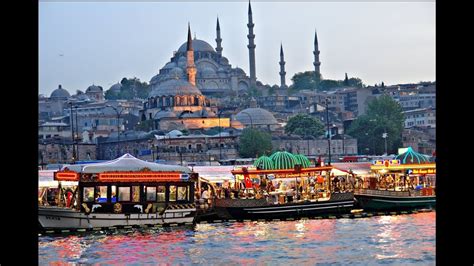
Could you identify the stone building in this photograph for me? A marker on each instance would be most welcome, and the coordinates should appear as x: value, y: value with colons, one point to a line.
x: 60, y: 150
x: 340, y: 145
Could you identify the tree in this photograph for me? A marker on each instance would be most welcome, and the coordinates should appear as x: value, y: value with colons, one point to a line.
x: 305, y: 81
x: 254, y: 142
x: 384, y: 115
x: 346, y: 81
x: 131, y: 88
x: 304, y: 125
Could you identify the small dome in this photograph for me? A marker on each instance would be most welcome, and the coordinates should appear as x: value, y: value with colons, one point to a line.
x: 174, y: 87
x: 174, y: 133
x: 303, y: 160
x: 283, y: 160
x: 221, y: 70
x: 164, y: 114
x: 256, y: 116
x: 224, y: 61
x: 116, y: 87
x: 60, y: 94
x: 412, y: 157
x: 176, y: 72
x: 94, y: 88
x: 239, y: 71
x: 264, y: 163
x: 208, y: 71
x: 170, y: 65
x: 182, y: 61
x: 198, y: 46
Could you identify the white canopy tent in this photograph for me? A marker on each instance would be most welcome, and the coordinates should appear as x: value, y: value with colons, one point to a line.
x: 125, y: 163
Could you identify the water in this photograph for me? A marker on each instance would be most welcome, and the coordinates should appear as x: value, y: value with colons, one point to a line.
x: 396, y: 240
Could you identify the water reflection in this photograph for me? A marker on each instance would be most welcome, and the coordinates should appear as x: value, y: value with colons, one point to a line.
x: 404, y: 239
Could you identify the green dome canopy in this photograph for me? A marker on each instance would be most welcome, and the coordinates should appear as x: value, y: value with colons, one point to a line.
x: 283, y: 160
x: 303, y: 160
x: 264, y: 162
x: 412, y: 157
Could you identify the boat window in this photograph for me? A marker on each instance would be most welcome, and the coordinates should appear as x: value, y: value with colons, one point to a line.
x: 113, y: 198
x: 182, y: 195
x: 88, y: 195
x: 151, y: 194
x: 160, y: 194
x: 101, y: 194
x: 172, y: 193
x: 136, y: 193
x: 124, y: 194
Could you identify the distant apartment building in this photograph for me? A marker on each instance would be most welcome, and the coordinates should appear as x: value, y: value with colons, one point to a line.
x: 422, y: 117
x: 51, y: 130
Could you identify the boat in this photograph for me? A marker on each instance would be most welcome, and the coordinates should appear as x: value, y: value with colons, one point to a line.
x: 407, y: 182
x: 122, y: 192
x: 283, y: 186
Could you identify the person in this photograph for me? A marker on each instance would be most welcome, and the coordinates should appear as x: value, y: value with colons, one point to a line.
x: 263, y: 183
x: 205, y: 196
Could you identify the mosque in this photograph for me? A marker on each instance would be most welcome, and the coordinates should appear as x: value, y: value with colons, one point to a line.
x: 178, y: 92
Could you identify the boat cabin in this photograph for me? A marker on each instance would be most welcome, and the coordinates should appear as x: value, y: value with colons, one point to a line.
x: 129, y: 185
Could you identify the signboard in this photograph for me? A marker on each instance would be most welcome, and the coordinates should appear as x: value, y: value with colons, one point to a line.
x: 66, y: 176
x: 424, y: 171
x: 142, y: 176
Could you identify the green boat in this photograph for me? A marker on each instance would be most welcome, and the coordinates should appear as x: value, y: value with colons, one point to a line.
x: 408, y: 182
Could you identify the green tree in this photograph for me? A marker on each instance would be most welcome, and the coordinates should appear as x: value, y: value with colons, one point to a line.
x: 304, y: 125
x: 306, y: 81
x: 384, y: 115
x: 131, y: 88
x: 254, y: 142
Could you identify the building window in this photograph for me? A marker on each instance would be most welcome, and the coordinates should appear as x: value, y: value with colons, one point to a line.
x: 172, y: 193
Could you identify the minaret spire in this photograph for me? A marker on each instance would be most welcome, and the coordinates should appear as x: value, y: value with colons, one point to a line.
x: 316, y: 62
x: 189, y: 45
x: 190, y: 67
x: 218, y: 39
x: 282, y: 68
x: 251, y: 46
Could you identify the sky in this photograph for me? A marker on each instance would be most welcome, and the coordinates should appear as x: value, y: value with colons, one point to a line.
x: 85, y: 43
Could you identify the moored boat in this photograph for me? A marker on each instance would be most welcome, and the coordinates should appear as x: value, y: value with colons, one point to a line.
x: 405, y: 183
x: 122, y: 192
x: 283, y: 186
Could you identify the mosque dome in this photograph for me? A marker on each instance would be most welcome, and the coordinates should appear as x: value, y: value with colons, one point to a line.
x: 164, y: 114
x: 176, y: 72
x: 170, y: 65
x: 60, y: 94
x: 94, y: 88
x: 182, y: 61
x: 174, y: 87
x: 256, y: 116
x: 208, y: 71
x: 116, y: 87
x: 198, y: 46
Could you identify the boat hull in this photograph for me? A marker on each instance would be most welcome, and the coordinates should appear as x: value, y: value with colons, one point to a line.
x: 339, y: 203
x: 63, y: 218
x: 394, y: 203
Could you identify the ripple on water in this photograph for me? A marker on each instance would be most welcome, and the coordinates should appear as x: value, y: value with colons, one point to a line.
x: 392, y: 240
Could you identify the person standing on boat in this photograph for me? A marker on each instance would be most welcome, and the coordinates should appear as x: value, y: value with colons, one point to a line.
x: 205, y: 197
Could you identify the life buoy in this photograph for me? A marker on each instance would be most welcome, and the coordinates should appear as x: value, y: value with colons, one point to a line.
x: 117, y: 207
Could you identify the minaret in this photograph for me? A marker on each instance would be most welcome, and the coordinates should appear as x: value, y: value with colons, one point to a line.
x: 282, y: 68
x: 251, y: 46
x: 218, y: 39
x: 190, y: 67
x: 316, y: 62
